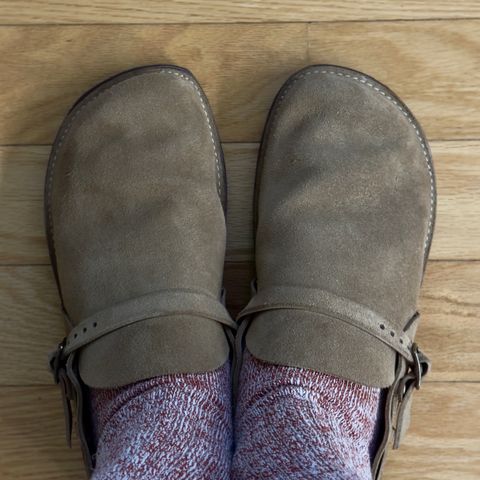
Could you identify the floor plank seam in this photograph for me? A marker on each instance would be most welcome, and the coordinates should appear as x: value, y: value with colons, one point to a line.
x: 239, y: 22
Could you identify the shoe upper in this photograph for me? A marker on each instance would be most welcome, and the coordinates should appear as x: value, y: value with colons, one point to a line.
x: 345, y: 207
x: 135, y: 204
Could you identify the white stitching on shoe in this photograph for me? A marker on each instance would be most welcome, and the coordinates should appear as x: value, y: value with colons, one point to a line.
x: 409, y: 118
x: 189, y: 79
x: 58, y: 144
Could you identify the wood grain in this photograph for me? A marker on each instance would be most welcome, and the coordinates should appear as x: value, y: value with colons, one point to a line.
x: 31, y: 324
x: 433, y: 66
x: 32, y: 443
x: 31, y: 321
x: 458, y: 211
x: 46, y: 68
x: 199, y: 11
x: 241, y: 67
x: 22, y: 233
x: 441, y: 444
x: 450, y: 327
x: 22, y: 239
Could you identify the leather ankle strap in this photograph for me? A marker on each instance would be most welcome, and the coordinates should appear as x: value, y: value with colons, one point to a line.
x: 339, y: 308
x: 157, y: 304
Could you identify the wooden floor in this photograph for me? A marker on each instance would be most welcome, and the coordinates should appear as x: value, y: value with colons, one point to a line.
x: 241, y: 52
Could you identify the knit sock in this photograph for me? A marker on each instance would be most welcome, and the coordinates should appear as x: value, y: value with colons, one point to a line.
x: 168, y: 427
x: 293, y: 423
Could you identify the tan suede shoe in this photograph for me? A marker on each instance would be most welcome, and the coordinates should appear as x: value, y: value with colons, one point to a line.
x: 345, y: 208
x: 135, y: 198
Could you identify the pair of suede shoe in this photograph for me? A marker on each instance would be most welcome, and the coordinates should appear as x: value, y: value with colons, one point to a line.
x: 135, y: 203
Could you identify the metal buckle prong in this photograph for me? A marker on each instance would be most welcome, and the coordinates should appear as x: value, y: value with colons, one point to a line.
x: 417, y: 366
x: 57, y: 360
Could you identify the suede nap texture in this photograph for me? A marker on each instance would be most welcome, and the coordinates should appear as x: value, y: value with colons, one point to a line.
x: 345, y: 203
x: 135, y: 205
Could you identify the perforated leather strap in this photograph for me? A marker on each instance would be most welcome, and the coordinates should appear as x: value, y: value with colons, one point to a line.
x: 158, y: 304
x: 339, y: 308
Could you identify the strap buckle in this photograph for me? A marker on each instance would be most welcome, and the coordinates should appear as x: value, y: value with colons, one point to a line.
x: 57, y: 361
x: 58, y: 366
x: 415, y: 373
x: 64, y: 371
x: 420, y: 366
x: 411, y: 380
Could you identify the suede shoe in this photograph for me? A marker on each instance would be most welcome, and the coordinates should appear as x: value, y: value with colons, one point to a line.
x: 135, y: 215
x: 344, y: 214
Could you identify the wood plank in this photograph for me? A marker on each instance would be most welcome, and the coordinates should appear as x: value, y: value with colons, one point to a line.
x: 46, y: 68
x: 457, y: 229
x: 22, y: 233
x: 241, y: 164
x: 450, y: 326
x: 241, y: 68
x: 441, y: 444
x: 32, y: 325
x: 22, y: 240
x: 199, y: 11
x: 433, y: 66
x: 33, y: 436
